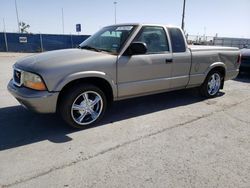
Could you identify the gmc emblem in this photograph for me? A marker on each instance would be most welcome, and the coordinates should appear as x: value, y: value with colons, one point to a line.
x: 17, y: 74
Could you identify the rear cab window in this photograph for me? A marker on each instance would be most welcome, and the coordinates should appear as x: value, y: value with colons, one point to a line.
x: 177, y: 40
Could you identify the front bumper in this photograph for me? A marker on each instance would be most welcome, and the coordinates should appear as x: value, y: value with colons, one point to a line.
x: 38, y: 101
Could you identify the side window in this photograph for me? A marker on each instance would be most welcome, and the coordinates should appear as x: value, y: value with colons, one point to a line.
x: 177, y: 40
x: 154, y: 37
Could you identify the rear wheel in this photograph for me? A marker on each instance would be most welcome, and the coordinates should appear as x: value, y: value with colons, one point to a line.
x: 211, y: 86
x: 83, y: 105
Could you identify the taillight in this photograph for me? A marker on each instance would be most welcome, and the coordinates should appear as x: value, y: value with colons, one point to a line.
x: 239, y: 59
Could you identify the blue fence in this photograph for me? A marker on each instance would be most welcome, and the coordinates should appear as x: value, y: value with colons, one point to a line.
x: 17, y: 42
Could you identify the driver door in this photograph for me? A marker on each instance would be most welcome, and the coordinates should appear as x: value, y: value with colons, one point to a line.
x: 146, y: 73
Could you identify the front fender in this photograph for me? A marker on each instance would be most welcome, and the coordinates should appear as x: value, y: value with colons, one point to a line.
x: 86, y: 74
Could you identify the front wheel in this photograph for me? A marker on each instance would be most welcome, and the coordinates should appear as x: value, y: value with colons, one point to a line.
x: 211, y: 86
x: 83, y: 105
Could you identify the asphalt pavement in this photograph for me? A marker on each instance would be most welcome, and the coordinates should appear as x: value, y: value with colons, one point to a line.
x: 175, y: 139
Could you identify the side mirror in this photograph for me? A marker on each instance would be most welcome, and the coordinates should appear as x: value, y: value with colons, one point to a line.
x: 136, y: 48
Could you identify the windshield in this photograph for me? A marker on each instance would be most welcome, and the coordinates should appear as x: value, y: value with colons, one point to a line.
x: 109, y: 39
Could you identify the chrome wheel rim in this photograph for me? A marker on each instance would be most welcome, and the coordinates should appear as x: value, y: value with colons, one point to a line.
x: 214, y: 84
x: 86, y: 108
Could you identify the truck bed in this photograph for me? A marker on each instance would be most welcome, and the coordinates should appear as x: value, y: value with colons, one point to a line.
x: 204, y: 58
x: 211, y: 48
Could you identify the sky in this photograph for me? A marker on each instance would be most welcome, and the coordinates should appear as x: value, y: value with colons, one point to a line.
x: 227, y: 18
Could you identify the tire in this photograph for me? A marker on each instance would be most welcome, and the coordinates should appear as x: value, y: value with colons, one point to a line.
x: 212, y: 84
x: 83, y: 105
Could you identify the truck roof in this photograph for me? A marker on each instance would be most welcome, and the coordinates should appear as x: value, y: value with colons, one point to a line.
x: 145, y: 24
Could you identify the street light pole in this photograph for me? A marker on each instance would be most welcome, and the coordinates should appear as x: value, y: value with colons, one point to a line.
x: 17, y: 17
x: 4, y: 27
x: 183, y: 15
x: 62, y: 21
x: 115, y: 3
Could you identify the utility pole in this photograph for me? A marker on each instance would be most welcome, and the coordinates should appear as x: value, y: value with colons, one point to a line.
x: 5, y: 36
x: 183, y: 15
x: 4, y: 27
x: 17, y: 17
x: 41, y: 41
x: 115, y: 3
x: 205, y: 33
x: 62, y: 21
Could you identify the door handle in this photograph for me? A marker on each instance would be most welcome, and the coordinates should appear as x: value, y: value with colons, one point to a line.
x: 169, y: 60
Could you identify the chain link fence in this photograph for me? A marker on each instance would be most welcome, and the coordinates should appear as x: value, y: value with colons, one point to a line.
x: 218, y: 41
x: 18, y: 42
x: 232, y: 42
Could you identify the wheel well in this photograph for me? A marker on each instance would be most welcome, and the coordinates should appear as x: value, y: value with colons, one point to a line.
x: 98, y: 82
x: 221, y: 71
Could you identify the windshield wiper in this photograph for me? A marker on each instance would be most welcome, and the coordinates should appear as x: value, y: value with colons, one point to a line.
x: 90, y: 48
x: 105, y: 50
x: 94, y: 49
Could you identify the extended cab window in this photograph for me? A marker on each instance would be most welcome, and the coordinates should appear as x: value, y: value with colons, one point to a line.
x: 177, y: 40
x: 154, y: 37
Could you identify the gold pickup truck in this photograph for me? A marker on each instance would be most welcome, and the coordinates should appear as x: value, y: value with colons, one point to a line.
x: 118, y: 62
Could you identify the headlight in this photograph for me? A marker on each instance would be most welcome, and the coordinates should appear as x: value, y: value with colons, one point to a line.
x: 33, y: 81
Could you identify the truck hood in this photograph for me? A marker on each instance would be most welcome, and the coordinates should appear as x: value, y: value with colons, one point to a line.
x: 61, y: 66
x: 61, y: 58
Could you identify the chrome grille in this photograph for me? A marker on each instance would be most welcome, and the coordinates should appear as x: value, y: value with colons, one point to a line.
x: 17, y: 77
